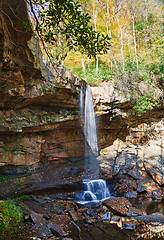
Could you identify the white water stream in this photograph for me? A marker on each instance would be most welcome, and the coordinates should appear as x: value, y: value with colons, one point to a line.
x: 95, y: 189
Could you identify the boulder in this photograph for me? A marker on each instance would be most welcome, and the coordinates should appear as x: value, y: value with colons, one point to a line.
x: 129, y: 226
x: 154, y: 217
x: 56, y: 229
x: 132, y: 194
x: 121, y: 206
x: 42, y: 231
x: 106, y: 216
x: 37, y: 218
x: 154, y: 167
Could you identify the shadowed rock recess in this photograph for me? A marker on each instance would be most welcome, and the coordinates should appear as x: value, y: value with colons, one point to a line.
x: 41, y: 136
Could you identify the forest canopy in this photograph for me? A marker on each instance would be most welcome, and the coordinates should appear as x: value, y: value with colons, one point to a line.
x: 65, y: 26
x: 107, y: 39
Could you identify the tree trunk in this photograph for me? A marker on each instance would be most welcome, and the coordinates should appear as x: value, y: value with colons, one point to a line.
x: 62, y: 53
x: 95, y: 24
x: 135, y: 44
x: 111, y: 56
x: 83, y: 64
x: 122, y: 44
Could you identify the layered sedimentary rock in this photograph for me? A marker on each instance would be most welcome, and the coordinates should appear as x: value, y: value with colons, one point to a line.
x: 38, y: 106
x: 134, y: 158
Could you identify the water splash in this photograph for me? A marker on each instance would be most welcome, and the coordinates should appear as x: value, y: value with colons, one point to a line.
x: 95, y: 191
x: 82, y: 101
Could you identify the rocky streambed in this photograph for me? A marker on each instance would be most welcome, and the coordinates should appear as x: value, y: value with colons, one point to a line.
x: 57, y: 215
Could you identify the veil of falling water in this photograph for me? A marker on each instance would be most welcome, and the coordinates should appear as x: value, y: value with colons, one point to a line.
x: 91, y: 146
x: 95, y: 188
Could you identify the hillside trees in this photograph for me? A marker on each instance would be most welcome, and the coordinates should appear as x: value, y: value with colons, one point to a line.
x: 129, y: 33
x: 136, y: 51
x: 64, y: 26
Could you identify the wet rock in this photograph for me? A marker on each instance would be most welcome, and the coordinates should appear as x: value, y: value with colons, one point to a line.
x: 35, y: 238
x: 67, y: 239
x: 37, y: 218
x: 25, y: 209
x: 88, y: 204
x: 46, y: 217
x: 155, y: 168
x: 74, y: 216
x: 141, y: 188
x: 48, y: 199
x: 121, y: 206
x: 104, y: 208
x: 134, y: 174
x: 56, y: 230
x: 43, y: 231
x: 107, y: 169
x: 38, y: 199
x: 157, y: 194
x: 106, y: 216
x: 115, y: 219
x: 132, y: 194
x: 99, y: 230
x: 90, y: 212
x: 56, y: 210
x: 129, y: 226
x: 154, y: 217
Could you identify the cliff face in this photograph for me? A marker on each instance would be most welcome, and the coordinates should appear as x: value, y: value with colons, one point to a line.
x: 38, y: 105
x: 132, y: 157
x: 41, y: 138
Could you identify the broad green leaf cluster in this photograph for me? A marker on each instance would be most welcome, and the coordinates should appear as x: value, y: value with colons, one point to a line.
x: 63, y: 25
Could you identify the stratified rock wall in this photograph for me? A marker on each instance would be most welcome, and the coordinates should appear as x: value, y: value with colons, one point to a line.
x: 135, y: 157
x: 39, y: 126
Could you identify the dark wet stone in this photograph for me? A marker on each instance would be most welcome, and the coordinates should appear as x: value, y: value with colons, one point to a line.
x: 43, y: 231
x: 56, y: 230
x: 89, y: 222
x: 134, y: 174
x: 115, y: 219
x: 38, y: 199
x: 48, y: 199
x: 67, y: 239
x: 56, y: 211
x: 88, y: 197
x: 124, y: 171
x: 46, y: 217
x: 129, y: 226
x: 156, y: 194
x: 155, y: 217
x: 99, y: 230
x: 121, y: 206
x: 89, y: 204
x: 90, y: 212
x: 141, y: 188
x: 106, y: 216
x: 37, y: 218
x: 132, y: 194
x: 74, y: 216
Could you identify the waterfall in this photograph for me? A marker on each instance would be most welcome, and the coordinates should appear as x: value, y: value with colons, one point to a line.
x: 95, y: 188
x: 90, y: 122
x: 82, y: 101
x: 89, y: 125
